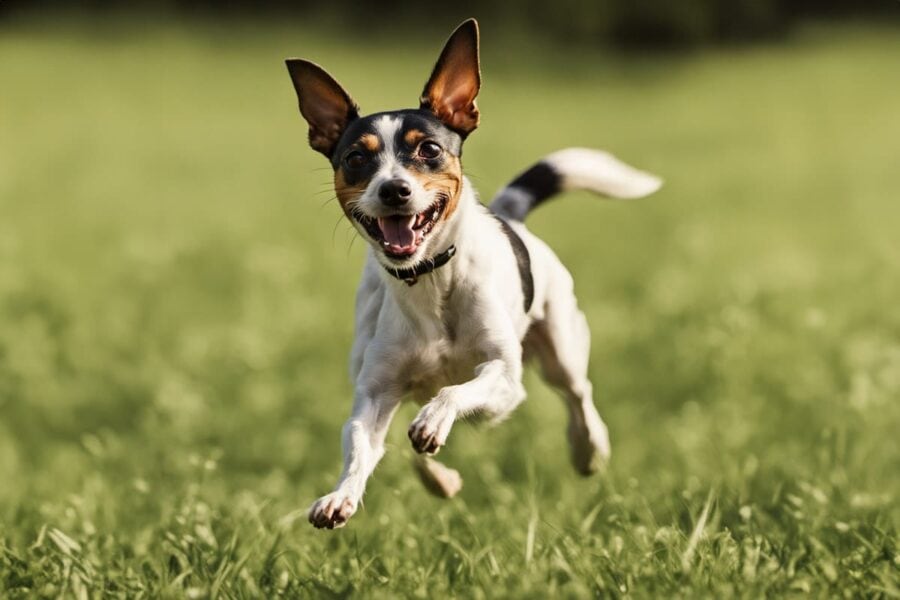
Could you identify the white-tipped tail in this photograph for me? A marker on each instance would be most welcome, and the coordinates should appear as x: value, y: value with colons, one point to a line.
x: 572, y: 169
x: 601, y: 172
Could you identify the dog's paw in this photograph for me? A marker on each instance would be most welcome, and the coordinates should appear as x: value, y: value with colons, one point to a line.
x: 332, y: 511
x: 589, y: 443
x: 429, y: 430
x: 438, y: 479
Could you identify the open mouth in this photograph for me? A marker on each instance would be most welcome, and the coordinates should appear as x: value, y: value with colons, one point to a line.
x: 401, y: 235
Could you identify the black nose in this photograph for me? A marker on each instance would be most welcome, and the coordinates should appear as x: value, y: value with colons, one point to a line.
x: 395, y: 192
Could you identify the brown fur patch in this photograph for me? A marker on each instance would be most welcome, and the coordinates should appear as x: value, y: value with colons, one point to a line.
x: 448, y: 182
x: 413, y: 137
x: 370, y: 142
x: 345, y: 192
x: 323, y: 103
x: 450, y: 92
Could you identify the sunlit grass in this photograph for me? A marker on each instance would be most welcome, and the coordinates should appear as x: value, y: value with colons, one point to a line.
x: 176, y: 298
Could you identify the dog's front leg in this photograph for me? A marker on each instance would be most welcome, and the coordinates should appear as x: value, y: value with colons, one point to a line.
x: 363, y: 444
x: 494, y: 392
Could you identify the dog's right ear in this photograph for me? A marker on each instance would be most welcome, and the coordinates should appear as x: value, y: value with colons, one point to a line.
x: 323, y: 103
x: 454, y: 83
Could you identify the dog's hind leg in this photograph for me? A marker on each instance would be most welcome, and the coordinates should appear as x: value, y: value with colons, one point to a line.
x: 438, y: 479
x: 561, y: 342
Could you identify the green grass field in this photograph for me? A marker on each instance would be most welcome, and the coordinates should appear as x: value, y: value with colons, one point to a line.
x: 176, y: 296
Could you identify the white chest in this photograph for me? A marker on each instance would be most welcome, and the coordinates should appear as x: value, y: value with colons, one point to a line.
x: 440, y: 361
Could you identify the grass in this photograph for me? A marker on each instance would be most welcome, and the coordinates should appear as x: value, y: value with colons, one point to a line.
x: 175, y: 313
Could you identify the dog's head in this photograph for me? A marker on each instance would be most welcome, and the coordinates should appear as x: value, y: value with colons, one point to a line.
x: 397, y: 174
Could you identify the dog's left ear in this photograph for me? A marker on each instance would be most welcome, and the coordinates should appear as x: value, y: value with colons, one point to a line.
x: 455, y: 81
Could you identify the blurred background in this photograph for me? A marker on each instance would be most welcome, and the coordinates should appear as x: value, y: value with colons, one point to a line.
x: 176, y: 302
x: 634, y: 23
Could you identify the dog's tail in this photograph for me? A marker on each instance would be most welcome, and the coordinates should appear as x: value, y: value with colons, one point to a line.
x: 571, y: 169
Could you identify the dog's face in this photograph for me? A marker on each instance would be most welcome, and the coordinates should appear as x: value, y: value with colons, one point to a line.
x: 397, y: 174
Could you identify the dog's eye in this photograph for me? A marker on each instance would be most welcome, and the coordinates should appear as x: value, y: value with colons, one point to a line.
x: 355, y: 160
x: 429, y: 150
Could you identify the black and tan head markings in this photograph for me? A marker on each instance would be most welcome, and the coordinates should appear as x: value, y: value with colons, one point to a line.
x: 397, y: 174
x: 415, y: 127
x: 419, y: 143
x: 409, y: 144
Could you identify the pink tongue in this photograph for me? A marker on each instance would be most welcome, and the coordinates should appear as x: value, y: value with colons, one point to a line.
x: 398, y: 231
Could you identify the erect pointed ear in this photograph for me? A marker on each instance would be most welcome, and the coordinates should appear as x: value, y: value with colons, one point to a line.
x: 323, y: 103
x: 454, y: 84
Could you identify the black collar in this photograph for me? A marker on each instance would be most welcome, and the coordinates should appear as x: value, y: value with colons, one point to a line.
x: 411, y: 275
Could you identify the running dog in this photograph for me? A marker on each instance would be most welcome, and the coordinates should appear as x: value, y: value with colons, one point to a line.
x: 454, y: 294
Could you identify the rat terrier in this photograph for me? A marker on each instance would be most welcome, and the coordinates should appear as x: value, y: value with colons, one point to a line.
x: 454, y: 294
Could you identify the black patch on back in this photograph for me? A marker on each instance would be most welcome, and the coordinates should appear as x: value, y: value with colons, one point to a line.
x: 523, y: 260
x: 540, y: 181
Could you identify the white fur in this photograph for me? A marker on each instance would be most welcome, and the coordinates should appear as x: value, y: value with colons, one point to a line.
x: 454, y: 341
x: 601, y: 172
x: 387, y: 128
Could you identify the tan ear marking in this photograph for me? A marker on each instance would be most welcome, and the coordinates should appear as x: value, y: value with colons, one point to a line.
x: 454, y: 83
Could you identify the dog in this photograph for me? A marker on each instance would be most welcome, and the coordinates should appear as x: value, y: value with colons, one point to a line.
x: 455, y: 295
